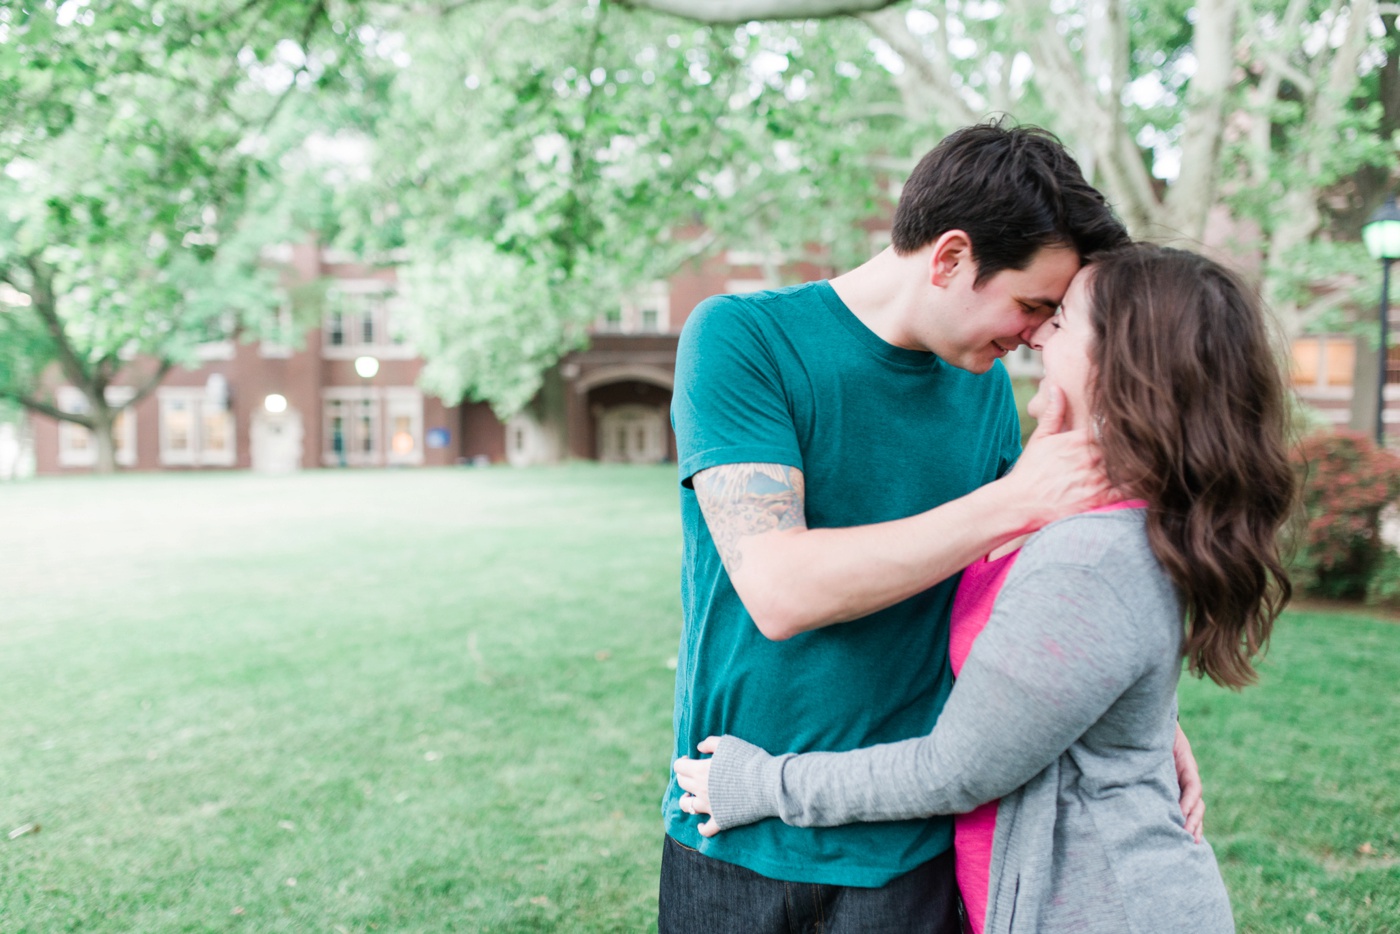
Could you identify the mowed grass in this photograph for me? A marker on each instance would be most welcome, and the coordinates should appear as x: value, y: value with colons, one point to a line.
x: 426, y: 701
x: 1302, y: 777
x: 440, y: 701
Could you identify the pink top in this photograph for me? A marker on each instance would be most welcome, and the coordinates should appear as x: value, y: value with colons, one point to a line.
x: 974, y: 831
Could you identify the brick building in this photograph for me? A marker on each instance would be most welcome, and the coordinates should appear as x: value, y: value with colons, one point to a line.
x: 346, y: 394
x: 316, y: 403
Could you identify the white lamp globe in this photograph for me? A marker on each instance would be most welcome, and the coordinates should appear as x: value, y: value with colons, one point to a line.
x: 366, y: 366
x: 1382, y: 232
x: 275, y: 403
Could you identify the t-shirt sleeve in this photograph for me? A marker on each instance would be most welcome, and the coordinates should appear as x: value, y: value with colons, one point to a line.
x: 729, y: 405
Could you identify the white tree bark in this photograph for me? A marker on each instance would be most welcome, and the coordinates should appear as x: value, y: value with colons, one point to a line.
x: 1275, y: 67
x: 927, y: 81
x: 1191, y: 195
x: 103, y: 421
x: 1091, y: 103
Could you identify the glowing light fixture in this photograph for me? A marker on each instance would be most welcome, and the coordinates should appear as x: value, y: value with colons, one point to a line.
x: 1382, y: 232
x: 366, y: 366
x: 275, y: 403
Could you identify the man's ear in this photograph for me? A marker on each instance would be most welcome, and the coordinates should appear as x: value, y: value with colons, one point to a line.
x: 951, y: 257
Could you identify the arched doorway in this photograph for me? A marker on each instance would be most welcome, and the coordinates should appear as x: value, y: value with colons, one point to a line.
x: 627, y: 415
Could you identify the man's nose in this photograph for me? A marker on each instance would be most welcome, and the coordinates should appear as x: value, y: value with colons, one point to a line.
x: 1035, y: 336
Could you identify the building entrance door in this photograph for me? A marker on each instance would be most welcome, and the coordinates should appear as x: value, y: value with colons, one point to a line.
x: 632, y: 434
x: 276, y: 441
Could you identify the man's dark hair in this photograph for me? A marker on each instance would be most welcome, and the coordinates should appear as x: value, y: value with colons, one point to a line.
x: 1013, y: 190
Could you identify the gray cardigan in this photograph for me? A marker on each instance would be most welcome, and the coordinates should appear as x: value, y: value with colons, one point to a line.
x: 1065, y: 710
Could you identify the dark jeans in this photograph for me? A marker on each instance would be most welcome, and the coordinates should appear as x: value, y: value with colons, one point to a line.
x: 700, y: 895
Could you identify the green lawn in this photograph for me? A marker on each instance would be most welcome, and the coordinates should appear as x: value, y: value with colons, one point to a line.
x: 440, y: 701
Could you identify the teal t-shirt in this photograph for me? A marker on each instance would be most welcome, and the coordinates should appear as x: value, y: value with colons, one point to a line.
x: 880, y: 433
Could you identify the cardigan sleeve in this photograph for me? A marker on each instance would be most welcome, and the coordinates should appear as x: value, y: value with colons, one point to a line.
x: 1056, y: 653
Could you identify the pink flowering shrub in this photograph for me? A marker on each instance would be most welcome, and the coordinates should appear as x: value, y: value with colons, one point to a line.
x: 1346, y: 482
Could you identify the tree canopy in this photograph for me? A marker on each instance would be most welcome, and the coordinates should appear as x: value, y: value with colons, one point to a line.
x: 1275, y: 119
x: 530, y: 162
x: 139, y: 181
x: 535, y: 165
x: 568, y: 146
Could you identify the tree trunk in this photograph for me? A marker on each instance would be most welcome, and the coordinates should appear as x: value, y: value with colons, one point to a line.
x: 103, y: 421
x: 1189, y: 200
x: 550, y: 409
x: 1363, y: 387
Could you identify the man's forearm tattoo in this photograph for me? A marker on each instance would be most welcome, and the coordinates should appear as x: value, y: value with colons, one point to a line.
x: 748, y: 499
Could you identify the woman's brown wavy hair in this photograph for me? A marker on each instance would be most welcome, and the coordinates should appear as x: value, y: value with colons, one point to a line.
x: 1191, y: 413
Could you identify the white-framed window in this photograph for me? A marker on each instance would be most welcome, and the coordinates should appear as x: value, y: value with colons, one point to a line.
x: 76, y: 445
x: 753, y: 270
x: 611, y: 321
x: 650, y: 308
x: 645, y: 310
x: 403, y: 424
x: 195, y: 429
x: 359, y: 319
x: 1324, y: 365
x: 370, y: 427
x: 280, y: 342
x: 335, y: 329
x: 215, y: 350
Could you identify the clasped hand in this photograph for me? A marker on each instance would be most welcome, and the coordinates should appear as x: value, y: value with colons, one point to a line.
x: 693, y: 775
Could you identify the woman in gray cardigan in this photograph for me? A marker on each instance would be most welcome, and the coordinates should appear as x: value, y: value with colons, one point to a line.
x: 1064, y: 708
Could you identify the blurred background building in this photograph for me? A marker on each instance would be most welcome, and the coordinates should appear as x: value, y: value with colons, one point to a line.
x: 345, y: 394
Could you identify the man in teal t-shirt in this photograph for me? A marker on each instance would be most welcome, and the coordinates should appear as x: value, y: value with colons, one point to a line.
x: 845, y: 449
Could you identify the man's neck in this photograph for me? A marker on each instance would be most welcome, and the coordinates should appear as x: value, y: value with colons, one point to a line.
x: 885, y: 293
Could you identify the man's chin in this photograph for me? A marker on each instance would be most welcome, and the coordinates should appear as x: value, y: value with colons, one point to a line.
x: 977, y: 366
x: 1000, y: 352
x: 978, y: 363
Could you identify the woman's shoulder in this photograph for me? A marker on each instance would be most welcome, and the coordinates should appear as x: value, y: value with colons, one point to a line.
x: 1089, y: 539
x: 1104, y: 550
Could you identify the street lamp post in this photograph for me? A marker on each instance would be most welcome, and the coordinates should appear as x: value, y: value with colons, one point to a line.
x: 1382, y: 236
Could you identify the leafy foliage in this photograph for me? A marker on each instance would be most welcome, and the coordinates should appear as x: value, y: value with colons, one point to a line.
x: 1346, y: 482
x: 583, y: 147
x: 537, y: 165
x: 533, y: 162
x: 139, y: 182
x: 1273, y: 120
x: 1383, y: 589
